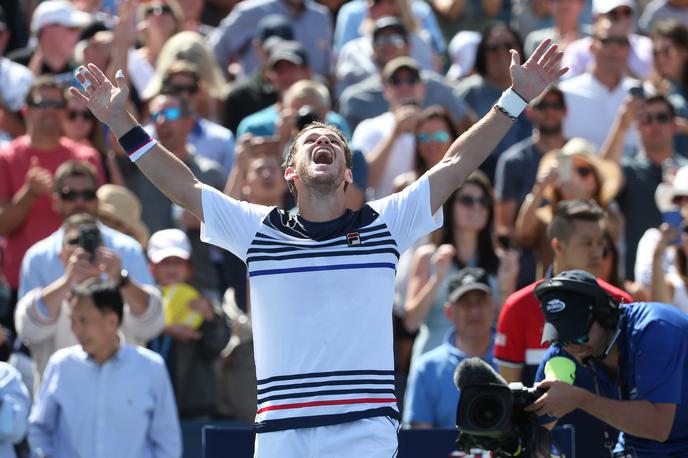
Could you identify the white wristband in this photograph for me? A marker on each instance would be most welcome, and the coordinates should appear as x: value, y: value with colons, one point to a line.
x: 511, y: 104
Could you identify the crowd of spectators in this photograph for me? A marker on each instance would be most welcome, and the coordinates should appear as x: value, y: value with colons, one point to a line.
x: 588, y: 178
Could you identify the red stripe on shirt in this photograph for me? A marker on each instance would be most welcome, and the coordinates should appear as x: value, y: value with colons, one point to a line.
x: 327, y: 403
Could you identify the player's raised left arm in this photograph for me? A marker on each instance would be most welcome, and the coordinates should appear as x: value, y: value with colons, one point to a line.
x: 475, y: 145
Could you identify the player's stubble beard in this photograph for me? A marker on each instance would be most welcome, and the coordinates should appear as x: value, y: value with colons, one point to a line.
x: 321, y: 184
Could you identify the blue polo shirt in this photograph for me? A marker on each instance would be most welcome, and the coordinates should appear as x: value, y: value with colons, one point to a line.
x: 431, y: 396
x: 654, y: 367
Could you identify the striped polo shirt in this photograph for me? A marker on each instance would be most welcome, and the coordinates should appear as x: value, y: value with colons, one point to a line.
x: 321, y: 302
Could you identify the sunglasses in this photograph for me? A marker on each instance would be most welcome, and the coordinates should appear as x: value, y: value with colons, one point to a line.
x: 180, y: 88
x: 660, y: 118
x: 168, y: 114
x: 45, y: 104
x: 620, y: 41
x: 583, y: 171
x: 157, y: 10
x: 470, y: 201
x: 663, y: 52
x: 440, y: 136
x: 506, y: 46
x: 395, y: 40
x: 396, y: 80
x: 559, y: 106
x: 619, y: 13
x: 70, y: 195
x: 73, y: 115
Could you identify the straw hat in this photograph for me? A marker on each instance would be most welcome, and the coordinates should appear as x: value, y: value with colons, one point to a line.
x: 608, y: 173
x: 121, y: 205
x: 665, y: 193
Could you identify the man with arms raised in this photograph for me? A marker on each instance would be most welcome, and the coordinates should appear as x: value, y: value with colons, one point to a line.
x: 322, y: 278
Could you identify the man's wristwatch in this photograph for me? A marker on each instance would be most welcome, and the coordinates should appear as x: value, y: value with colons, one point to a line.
x: 123, y: 278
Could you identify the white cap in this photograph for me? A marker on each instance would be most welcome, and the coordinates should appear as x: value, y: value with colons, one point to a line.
x: 57, y: 12
x: 665, y: 193
x: 167, y: 243
x: 605, y: 6
x: 462, y: 50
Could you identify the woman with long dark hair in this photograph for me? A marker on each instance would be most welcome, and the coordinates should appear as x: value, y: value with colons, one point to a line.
x: 465, y: 240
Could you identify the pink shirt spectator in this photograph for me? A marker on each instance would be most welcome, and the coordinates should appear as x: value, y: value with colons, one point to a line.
x: 42, y: 220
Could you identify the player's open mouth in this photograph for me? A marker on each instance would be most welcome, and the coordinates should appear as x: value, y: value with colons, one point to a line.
x: 323, y: 156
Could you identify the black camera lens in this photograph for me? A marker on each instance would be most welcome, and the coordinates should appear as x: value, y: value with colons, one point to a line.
x: 487, y: 412
x: 306, y: 115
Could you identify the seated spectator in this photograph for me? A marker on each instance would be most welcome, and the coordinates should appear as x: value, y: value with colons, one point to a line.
x: 357, y: 59
x: 482, y: 89
x: 416, y: 16
x: 120, y: 209
x: 570, y: 173
x: 103, y: 397
x: 42, y: 315
x: 530, y: 15
x: 255, y: 91
x: 211, y: 87
x: 593, y: 97
x: 637, y: 60
x: 454, y: 16
x: 311, y: 23
x: 212, y: 141
x: 660, y: 264
x: 567, y: 26
x: 431, y: 395
x: 55, y: 25
x: 14, y: 410
x: 194, y: 333
x: 661, y: 10
x: 26, y: 174
x: 366, y: 99
x: 465, y: 240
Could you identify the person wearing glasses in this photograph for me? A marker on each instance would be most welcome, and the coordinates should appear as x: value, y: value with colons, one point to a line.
x: 577, y: 237
x: 27, y: 165
x: 54, y: 264
x: 655, y: 161
x: 630, y: 372
x: 464, y: 240
x: 571, y: 172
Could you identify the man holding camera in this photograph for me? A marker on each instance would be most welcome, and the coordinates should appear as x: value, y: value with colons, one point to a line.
x: 641, y: 349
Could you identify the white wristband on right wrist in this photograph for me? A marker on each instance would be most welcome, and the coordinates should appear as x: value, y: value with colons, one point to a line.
x: 511, y: 104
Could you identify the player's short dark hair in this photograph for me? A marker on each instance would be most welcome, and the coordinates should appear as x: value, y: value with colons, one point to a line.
x: 104, y: 293
x: 289, y: 160
x: 568, y: 212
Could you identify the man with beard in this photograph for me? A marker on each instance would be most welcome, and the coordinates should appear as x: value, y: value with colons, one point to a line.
x: 322, y: 277
x: 26, y: 174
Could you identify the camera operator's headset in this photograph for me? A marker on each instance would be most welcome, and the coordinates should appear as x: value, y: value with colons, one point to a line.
x: 606, y: 310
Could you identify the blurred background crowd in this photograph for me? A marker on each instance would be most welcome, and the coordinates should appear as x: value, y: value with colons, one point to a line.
x: 593, y: 175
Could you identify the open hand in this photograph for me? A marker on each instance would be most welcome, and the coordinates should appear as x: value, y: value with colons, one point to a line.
x: 539, y: 71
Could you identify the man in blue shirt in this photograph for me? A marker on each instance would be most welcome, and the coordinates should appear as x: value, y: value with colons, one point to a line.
x: 431, y: 396
x: 642, y: 345
x: 103, y: 397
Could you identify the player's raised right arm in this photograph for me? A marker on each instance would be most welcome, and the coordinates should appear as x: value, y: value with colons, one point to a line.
x: 108, y: 103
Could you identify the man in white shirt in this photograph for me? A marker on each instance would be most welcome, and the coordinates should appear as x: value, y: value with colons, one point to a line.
x: 322, y: 278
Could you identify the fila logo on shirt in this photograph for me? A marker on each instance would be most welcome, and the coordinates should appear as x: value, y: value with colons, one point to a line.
x: 353, y: 239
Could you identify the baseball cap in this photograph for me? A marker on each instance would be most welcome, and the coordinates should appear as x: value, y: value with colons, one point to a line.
x: 60, y: 12
x: 389, y: 22
x: 397, y: 64
x: 167, y: 243
x: 605, y: 6
x: 291, y: 51
x: 468, y: 279
x: 567, y: 312
x: 274, y: 25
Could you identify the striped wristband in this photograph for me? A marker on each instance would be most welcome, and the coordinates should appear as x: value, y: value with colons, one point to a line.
x: 136, y: 143
x: 511, y: 104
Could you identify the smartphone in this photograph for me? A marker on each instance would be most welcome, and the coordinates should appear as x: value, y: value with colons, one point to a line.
x: 504, y: 241
x: 673, y: 219
x: 637, y: 91
x: 564, y: 168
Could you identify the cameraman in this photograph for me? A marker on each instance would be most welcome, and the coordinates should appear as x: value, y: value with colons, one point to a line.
x: 642, y: 348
